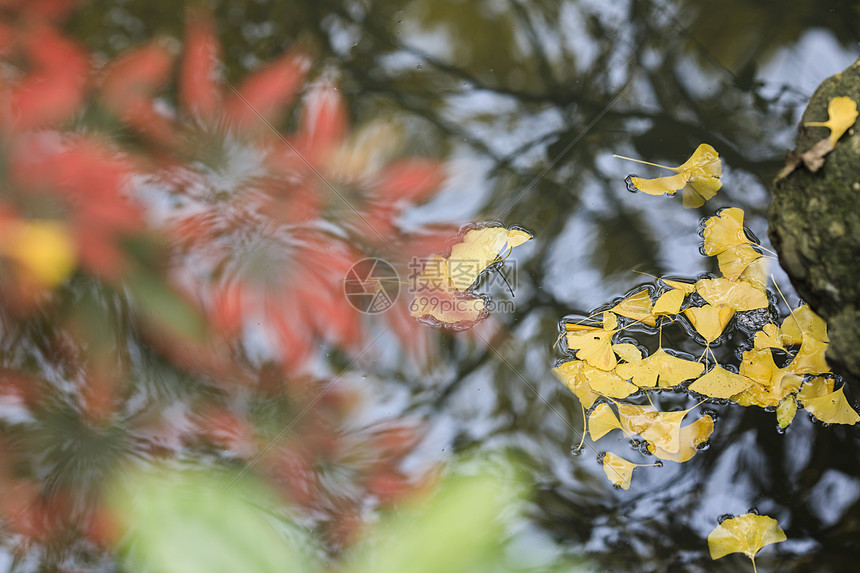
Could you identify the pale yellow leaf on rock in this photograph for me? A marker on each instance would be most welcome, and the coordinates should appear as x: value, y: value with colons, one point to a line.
x: 842, y: 113
x: 745, y: 534
x: 721, y: 383
x: 661, y: 368
x: 601, y: 421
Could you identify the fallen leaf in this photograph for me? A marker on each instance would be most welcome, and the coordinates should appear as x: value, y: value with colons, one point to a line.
x: 724, y: 231
x: 708, y: 320
x: 698, y: 177
x: 810, y: 357
x: 570, y: 374
x: 691, y: 437
x: 627, y: 352
x: 745, y: 534
x: 618, y: 470
x: 785, y: 411
x: 593, y: 345
x: 803, y: 320
x: 479, y: 249
x: 721, y: 383
x: 734, y: 262
x: 601, y: 421
x: 841, y: 115
x: 638, y: 307
x: 660, y: 369
x: 828, y: 407
x: 736, y: 295
x: 607, y: 383
x: 768, y: 337
x: 669, y: 302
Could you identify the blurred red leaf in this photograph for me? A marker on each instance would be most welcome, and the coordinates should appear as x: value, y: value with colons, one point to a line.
x: 53, y: 88
x: 267, y: 92
x: 129, y: 87
x: 199, y: 92
x: 411, y: 179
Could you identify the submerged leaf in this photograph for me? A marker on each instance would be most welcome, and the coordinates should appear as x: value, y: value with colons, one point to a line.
x: 785, y: 411
x: 745, y: 534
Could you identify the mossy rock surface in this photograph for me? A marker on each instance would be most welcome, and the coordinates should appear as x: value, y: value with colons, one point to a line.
x: 815, y: 226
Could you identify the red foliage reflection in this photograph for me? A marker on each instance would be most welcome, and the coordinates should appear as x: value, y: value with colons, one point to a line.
x: 207, y: 256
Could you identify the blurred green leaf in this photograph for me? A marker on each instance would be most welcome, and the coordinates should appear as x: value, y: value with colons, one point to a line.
x: 191, y: 522
x: 165, y: 307
x: 461, y: 529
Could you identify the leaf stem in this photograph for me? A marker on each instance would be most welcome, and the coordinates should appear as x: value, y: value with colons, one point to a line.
x: 646, y: 162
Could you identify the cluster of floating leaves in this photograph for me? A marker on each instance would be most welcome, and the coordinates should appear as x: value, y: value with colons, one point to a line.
x: 601, y: 371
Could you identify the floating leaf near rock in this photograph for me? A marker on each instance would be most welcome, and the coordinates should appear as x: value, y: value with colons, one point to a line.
x: 698, y: 178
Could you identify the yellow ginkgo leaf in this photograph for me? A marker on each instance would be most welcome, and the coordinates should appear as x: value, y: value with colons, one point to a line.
x: 691, y: 437
x: 638, y: 307
x: 607, y: 383
x: 636, y: 419
x: 665, y: 431
x: 594, y: 347
x: 810, y: 357
x: 745, y: 534
x: 757, y: 273
x: 736, y: 295
x: 724, y: 231
x: 803, y: 320
x: 570, y: 374
x: 721, y: 383
x: 842, y: 113
x: 601, y: 421
x: 43, y: 249
x: 660, y: 369
x: 771, y: 384
x: 708, y: 320
x: 479, y: 249
x: 699, y: 177
x: 618, y: 470
x: 768, y: 337
x: 688, y: 288
x: 627, y: 352
x: 815, y: 388
x: 669, y: 302
x: 832, y: 408
x: 734, y: 262
x: 785, y: 411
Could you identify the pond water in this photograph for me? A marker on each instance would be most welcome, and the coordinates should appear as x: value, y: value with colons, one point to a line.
x: 525, y: 103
